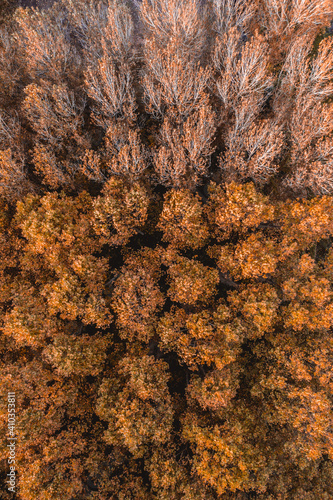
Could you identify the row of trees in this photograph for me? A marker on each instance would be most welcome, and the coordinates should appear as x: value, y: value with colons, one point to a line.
x: 168, y: 91
x: 198, y: 366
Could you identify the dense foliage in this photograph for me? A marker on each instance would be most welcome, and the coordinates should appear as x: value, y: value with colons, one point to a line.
x: 166, y: 272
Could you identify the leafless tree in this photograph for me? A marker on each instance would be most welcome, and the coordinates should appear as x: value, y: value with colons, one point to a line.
x: 182, y: 158
x: 43, y: 35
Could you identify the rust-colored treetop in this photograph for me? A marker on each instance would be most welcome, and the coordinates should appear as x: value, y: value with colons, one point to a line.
x: 166, y: 229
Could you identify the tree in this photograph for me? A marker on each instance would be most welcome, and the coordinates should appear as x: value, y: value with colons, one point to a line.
x: 282, y: 19
x: 138, y: 410
x: 13, y: 173
x: 44, y: 38
x: 9, y: 66
x: 181, y: 160
x: 56, y: 117
x: 182, y: 220
x: 125, y: 154
x: 137, y: 298
x: 311, y: 139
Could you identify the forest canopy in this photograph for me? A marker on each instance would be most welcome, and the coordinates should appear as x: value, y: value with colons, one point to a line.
x: 166, y: 228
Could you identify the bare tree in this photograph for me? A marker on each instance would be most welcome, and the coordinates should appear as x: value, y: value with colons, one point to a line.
x: 125, y: 153
x: 88, y: 20
x: 243, y: 70
x: 254, y: 153
x: 44, y: 37
x: 175, y: 37
x: 56, y: 117
x: 13, y: 178
x: 282, y: 16
x: 53, y: 111
x: 300, y: 104
x: 10, y: 66
x: 230, y: 14
x: 174, y: 83
x: 183, y: 156
x: 283, y: 20
x: 181, y: 22
x: 110, y: 85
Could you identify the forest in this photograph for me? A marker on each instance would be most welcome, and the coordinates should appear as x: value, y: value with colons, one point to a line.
x: 166, y: 257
